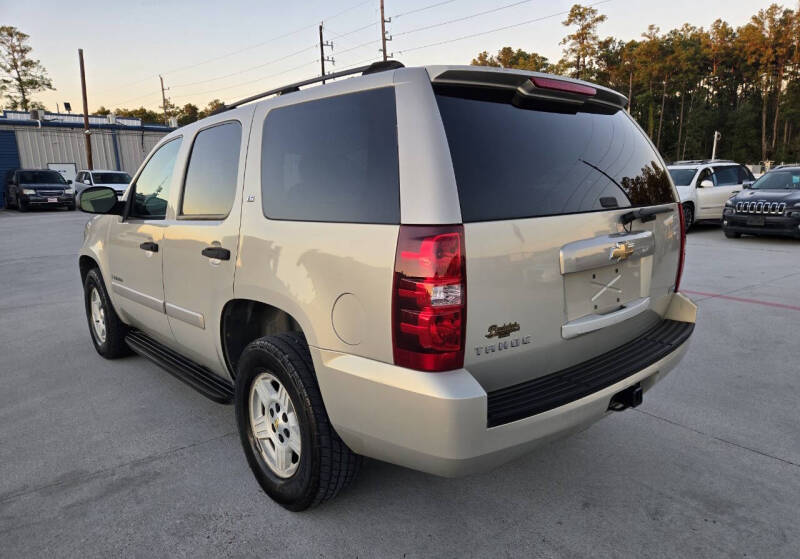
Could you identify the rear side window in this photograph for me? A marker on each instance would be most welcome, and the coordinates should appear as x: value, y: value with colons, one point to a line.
x: 333, y: 159
x: 515, y: 163
x: 211, y: 176
x: 682, y: 177
x: 152, y: 186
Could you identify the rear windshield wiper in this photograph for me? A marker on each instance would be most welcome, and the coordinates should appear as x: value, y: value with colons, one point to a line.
x: 645, y: 214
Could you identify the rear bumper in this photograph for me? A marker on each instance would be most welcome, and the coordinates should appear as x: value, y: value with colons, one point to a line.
x: 438, y: 422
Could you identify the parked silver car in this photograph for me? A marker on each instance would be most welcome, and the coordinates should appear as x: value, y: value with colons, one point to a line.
x: 438, y: 267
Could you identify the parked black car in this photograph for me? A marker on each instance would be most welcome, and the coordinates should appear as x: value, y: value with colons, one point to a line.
x: 28, y: 188
x: 769, y: 206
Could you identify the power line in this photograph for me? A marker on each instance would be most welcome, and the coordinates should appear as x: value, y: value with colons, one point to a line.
x: 422, y: 9
x: 362, y: 28
x: 273, y: 39
x: 463, y: 18
x: 356, y: 47
x: 262, y: 78
x: 250, y: 68
x: 244, y: 49
x: 471, y: 35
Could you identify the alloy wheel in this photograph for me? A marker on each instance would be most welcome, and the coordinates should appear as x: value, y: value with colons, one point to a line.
x: 98, y: 315
x: 275, y: 426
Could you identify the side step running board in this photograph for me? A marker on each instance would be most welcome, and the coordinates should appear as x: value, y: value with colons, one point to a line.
x: 207, y: 383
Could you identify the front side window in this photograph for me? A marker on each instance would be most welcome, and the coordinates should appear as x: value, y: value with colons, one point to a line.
x: 726, y: 176
x: 705, y: 175
x: 333, y: 159
x: 152, y: 186
x: 745, y: 174
x: 210, y: 185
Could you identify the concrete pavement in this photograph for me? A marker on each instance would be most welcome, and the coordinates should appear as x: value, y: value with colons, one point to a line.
x: 104, y: 459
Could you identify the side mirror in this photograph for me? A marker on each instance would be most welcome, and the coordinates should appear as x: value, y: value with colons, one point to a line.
x: 747, y: 184
x: 69, y: 181
x: 100, y: 200
x: 707, y: 183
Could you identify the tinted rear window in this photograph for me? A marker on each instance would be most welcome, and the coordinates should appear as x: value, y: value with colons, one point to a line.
x: 111, y: 178
x: 515, y: 163
x: 333, y: 159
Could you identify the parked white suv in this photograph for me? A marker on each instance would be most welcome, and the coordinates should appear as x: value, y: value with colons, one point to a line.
x: 438, y: 267
x: 118, y: 180
x: 705, y: 185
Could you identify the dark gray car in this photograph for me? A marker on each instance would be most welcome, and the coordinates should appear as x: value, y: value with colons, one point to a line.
x: 29, y: 188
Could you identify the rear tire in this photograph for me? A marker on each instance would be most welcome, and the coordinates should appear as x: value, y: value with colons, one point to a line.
x: 732, y: 235
x: 280, y: 367
x: 107, y: 330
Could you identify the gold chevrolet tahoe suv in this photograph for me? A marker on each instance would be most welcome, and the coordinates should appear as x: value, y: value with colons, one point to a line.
x: 438, y: 267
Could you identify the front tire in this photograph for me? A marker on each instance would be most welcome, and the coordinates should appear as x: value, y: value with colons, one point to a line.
x: 21, y: 206
x: 688, y: 217
x: 291, y: 447
x: 107, y: 330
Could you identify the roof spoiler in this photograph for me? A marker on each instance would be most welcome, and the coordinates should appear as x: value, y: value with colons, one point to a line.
x: 544, y: 87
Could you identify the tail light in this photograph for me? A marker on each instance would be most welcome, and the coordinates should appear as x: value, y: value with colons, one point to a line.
x: 682, y: 257
x: 561, y: 85
x: 429, y: 302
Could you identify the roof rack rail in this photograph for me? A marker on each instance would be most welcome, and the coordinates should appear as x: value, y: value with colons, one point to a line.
x: 374, y: 68
x: 784, y: 165
x: 701, y: 161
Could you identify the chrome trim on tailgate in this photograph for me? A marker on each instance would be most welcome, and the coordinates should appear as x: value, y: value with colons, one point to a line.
x: 593, y: 322
x: 597, y: 252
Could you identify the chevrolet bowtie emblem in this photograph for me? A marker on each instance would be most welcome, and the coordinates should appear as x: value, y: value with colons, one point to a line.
x: 621, y: 251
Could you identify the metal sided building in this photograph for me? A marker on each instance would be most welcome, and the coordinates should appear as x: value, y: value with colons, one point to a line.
x: 55, y: 141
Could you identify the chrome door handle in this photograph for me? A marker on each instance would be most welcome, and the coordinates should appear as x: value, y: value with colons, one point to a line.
x: 217, y: 253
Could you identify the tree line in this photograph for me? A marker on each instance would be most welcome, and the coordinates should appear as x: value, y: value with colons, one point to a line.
x: 686, y: 83
x: 683, y: 84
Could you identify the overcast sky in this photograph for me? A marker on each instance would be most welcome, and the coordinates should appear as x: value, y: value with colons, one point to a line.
x: 232, y: 49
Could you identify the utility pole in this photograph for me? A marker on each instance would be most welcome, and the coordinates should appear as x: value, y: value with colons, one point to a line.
x: 164, y: 100
x: 384, y: 21
x: 322, y: 44
x: 717, y: 137
x: 86, y: 138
